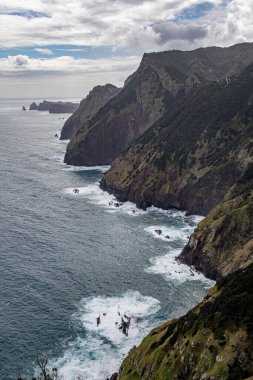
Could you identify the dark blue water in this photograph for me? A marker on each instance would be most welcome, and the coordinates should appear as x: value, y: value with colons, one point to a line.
x: 66, y: 258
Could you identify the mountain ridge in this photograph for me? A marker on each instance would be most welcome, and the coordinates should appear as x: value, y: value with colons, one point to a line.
x: 145, y: 97
x: 194, y: 154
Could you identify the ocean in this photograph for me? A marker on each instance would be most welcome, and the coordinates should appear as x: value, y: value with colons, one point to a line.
x: 67, y: 257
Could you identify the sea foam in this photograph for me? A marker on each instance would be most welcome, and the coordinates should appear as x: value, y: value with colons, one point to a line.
x: 101, y: 169
x: 172, y: 270
x: 169, y: 234
x: 97, y: 196
x: 100, y: 353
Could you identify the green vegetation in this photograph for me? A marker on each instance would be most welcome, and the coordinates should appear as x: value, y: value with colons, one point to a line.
x: 223, y: 241
x: 213, y: 341
x: 191, y: 157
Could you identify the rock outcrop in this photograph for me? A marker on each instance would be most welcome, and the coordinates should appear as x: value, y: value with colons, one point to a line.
x: 214, y: 341
x: 89, y: 106
x: 223, y: 241
x: 147, y: 94
x: 194, y: 154
x: 33, y: 107
x: 54, y: 107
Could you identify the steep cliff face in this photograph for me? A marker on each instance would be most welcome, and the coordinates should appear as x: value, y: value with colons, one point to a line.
x: 194, y: 154
x: 214, y: 341
x: 223, y: 241
x: 147, y: 94
x: 89, y: 106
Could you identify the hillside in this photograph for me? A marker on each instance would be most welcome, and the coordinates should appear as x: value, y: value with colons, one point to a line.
x: 223, y: 241
x: 88, y: 107
x: 194, y: 154
x: 147, y: 94
x: 214, y: 341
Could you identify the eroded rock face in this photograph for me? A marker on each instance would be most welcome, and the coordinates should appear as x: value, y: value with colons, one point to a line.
x: 194, y: 154
x: 89, y: 106
x: 213, y: 341
x: 223, y: 241
x: 147, y: 94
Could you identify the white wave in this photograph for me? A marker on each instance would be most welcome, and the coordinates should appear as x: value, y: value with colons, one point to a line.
x: 196, y: 218
x: 171, y: 269
x: 169, y: 234
x: 99, y: 197
x: 169, y: 213
x: 174, y: 213
x: 102, y: 168
x: 99, y: 355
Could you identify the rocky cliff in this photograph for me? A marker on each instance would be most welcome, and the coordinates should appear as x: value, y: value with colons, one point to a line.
x: 223, y: 241
x: 147, y: 94
x: 214, y: 341
x: 194, y: 154
x: 89, y: 106
x: 54, y: 107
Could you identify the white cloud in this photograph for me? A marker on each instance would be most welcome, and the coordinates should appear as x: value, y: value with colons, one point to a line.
x: 123, y: 23
x: 132, y: 26
x: 61, y: 77
x: 18, y: 61
x: 14, y: 65
x: 43, y: 51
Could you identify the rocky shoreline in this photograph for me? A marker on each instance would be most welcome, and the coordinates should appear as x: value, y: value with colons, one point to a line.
x: 197, y: 156
x: 213, y: 341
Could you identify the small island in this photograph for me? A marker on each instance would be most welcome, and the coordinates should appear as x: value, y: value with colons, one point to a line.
x: 54, y: 107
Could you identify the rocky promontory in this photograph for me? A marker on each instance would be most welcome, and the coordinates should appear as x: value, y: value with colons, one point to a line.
x: 194, y: 154
x: 147, y: 95
x: 88, y: 107
x: 54, y: 107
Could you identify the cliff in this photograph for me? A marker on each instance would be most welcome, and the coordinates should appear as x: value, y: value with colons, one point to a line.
x: 214, y: 341
x: 54, y: 107
x: 194, y: 154
x: 88, y: 107
x: 147, y: 94
x: 223, y: 241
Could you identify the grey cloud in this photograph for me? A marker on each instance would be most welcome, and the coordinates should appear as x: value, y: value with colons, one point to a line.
x: 21, y: 60
x: 170, y: 31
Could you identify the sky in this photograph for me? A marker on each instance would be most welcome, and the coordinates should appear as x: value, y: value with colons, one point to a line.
x: 63, y: 48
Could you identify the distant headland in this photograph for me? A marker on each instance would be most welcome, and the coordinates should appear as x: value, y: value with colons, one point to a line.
x: 54, y: 107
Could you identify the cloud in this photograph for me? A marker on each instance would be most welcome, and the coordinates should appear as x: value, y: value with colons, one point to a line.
x: 61, y: 77
x: 122, y: 24
x: 43, y: 51
x: 15, y: 65
x: 172, y: 32
x: 126, y: 28
x: 19, y: 61
x: 131, y: 25
x: 136, y: 26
